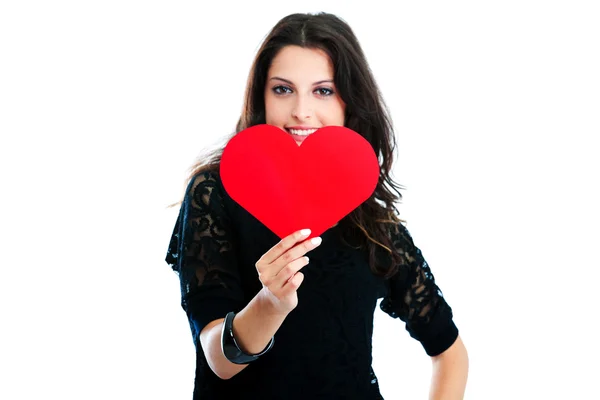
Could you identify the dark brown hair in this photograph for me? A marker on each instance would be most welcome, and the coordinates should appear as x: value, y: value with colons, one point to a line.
x: 369, y: 225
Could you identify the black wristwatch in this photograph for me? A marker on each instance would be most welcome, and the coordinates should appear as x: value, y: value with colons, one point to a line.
x: 230, y: 348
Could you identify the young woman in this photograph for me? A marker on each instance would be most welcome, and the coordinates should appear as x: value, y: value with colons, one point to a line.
x: 267, y: 322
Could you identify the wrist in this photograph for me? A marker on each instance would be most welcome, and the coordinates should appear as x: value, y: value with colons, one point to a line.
x: 267, y: 305
x: 257, y: 323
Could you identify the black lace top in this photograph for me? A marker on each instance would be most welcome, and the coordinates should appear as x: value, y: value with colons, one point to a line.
x: 323, y: 348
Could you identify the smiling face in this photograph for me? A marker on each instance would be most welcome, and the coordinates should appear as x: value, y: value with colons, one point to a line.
x: 300, y: 95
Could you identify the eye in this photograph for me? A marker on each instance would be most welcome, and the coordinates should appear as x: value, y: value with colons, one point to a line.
x: 324, y: 91
x: 280, y: 89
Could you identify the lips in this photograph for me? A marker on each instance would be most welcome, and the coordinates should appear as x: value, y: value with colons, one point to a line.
x: 301, y: 131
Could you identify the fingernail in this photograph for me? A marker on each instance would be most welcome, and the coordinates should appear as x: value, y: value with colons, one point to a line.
x: 305, y: 232
x: 316, y: 240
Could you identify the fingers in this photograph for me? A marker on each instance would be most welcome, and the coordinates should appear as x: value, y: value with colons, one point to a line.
x: 287, y: 272
x: 296, y: 252
x: 293, y: 284
x: 290, y: 256
x: 278, y: 268
x: 286, y: 251
x: 284, y: 245
x: 275, y: 277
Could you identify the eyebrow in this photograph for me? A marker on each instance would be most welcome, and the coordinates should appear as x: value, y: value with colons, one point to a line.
x: 290, y: 82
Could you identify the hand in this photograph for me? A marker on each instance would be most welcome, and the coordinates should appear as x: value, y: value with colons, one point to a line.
x: 278, y: 270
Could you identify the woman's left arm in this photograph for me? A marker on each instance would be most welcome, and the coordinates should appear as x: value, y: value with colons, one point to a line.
x: 450, y: 370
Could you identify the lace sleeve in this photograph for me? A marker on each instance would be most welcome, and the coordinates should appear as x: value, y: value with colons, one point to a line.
x: 415, y: 298
x: 201, y: 253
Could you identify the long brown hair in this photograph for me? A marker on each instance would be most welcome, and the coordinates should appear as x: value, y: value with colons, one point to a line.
x: 365, y: 113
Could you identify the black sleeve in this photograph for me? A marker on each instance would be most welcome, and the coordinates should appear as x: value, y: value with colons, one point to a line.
x: 415, y: 298
x: 201, y: 252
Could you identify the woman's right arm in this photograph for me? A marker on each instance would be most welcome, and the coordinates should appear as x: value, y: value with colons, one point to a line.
x: 256, y: 324
x: 253, y: 328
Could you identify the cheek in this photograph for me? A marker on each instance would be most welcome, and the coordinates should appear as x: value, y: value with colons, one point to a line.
x: 272, y: 110
x: 334, y: 114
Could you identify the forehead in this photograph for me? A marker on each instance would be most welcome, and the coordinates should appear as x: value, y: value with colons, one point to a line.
x: 300, y: 63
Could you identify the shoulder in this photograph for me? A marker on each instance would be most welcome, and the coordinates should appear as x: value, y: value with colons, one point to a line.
x: 210, y: 173
x: 204, y: 190
x: 203, y: 180
x: 399, y: 231
x: 401, y: 237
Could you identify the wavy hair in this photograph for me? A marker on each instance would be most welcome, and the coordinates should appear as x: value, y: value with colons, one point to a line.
x: 368, y: 226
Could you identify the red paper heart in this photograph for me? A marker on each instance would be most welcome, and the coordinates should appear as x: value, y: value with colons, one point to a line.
x: 289, y: 187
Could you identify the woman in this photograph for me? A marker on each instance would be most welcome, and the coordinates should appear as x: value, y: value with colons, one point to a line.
x: 269, y: 323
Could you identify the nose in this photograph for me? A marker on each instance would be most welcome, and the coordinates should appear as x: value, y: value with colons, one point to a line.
x: 302, y: 108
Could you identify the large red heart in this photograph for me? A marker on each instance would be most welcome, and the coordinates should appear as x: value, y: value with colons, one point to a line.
x: 289, y: 187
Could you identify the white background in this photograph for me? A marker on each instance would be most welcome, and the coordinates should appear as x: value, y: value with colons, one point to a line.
x: 104, y: 106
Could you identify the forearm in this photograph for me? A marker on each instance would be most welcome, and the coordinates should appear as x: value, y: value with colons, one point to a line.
x: 253, y: 328
x: 450, y: 371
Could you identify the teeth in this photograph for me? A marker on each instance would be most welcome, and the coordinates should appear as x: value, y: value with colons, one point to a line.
x: 302, y: 132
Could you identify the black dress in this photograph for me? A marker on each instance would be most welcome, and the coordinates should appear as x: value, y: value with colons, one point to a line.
x: 323, y: 348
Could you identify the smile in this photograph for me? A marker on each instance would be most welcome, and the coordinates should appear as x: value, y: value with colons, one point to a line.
x: 301, y: 132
